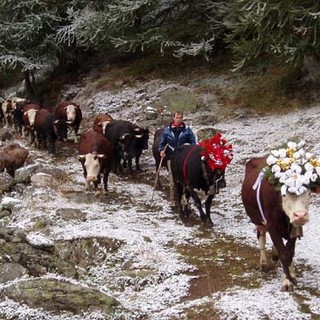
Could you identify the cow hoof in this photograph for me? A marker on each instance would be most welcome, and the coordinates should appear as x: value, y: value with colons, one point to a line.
x: 264, y: 268
x: 287, y: 285
x: 208, y: 223
x: 287, y: 288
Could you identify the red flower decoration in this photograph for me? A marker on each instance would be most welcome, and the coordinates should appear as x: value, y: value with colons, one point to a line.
x: 216, y: 152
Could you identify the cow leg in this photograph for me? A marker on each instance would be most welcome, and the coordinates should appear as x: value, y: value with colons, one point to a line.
x: 197, y: 202
x: 39, y: 139
x: 207, y: 204
x: 130, y: 164
x: 137, y: 163
x: 51, y: 146
x: 31, y: 137
x: 178, y: 197
x: 286, y: 253
x: 185, y: 204
x: 105, y: 181
x: 261, y: 235
x: 274, y: 254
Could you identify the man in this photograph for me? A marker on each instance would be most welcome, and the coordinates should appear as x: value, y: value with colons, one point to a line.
x: 174, y: 135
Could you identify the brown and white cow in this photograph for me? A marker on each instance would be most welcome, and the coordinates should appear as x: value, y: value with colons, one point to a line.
x: 7, y: 110
x: 100, y: 122
x: 282, y: 216
x: 12, y: 157
x: 28, y: 118
x: 95, y: 154
x: 71, y: 113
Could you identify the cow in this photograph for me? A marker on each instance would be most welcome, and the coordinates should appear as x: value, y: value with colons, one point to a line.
x: 29, y: 112
x: 155, y: 148
x: 125, y: 137
x: 1, y: 111
x: 48, y: 129
x: 100, y: 122
x: 17, y: 114
x: 199, y: 167
x: 12, y: 157
x: 71, y: 113
x: 280, y: 215
x: 95, y: 153
x: 141, y: 143
x: 7, y: 110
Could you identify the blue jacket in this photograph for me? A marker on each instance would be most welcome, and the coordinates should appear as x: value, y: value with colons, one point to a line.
x: 174, y: 137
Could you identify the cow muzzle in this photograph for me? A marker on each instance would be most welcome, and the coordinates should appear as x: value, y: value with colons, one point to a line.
x: 299, y: 218
x: 92, y: 178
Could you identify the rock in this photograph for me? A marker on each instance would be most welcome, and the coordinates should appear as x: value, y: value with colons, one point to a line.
x: 71, y: 214
x: 39, y: 241
x: 53, y: 295
x: 9, y: 203
x: 6, y: 181
x: 5, y: 134
x: 10, y: 271
x: 23, y: 175
x: 43, y: 180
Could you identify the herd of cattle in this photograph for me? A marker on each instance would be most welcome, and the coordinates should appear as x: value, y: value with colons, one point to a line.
x: 111, y: 145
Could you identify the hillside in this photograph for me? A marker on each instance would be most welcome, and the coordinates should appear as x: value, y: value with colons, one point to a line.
x: 83, y: 253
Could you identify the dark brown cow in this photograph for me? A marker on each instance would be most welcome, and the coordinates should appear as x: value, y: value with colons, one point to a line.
x: 12, y: 157
x: 48, y: 129
x: 100, y: 122
x: 71, y: 113
x: 95, y: 154
x: 282, y: 216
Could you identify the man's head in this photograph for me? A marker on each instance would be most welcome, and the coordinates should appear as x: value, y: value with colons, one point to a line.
x: 177, y: 117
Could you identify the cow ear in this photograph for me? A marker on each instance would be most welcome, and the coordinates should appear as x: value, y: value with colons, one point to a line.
x: 81, y: 157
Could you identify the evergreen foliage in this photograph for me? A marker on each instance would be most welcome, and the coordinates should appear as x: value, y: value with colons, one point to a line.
x: 43, y: 34
x: 286, y: 30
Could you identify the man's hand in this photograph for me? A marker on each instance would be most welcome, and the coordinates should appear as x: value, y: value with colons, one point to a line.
x: 162, y: 154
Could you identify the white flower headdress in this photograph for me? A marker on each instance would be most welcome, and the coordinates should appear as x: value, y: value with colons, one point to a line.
x: 293, y: 169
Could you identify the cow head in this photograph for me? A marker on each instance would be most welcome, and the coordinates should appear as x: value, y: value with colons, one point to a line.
x: 31, y: 115
x: 296, y: 207
x: 295, y: 172
x: 71, y: 113
x: 216, y: 155
x: 142, y: 137
x: 127, y: 145
x: 92, y: 164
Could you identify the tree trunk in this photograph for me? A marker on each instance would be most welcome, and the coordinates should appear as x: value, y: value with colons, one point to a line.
x: 29, y: 86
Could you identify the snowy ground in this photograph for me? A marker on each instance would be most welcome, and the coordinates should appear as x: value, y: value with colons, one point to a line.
x: 148, y: 227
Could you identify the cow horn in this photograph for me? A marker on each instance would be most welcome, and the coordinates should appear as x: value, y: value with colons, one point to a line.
x: 123, y: 136
x: 69, y: 122
x: 138, y: 136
